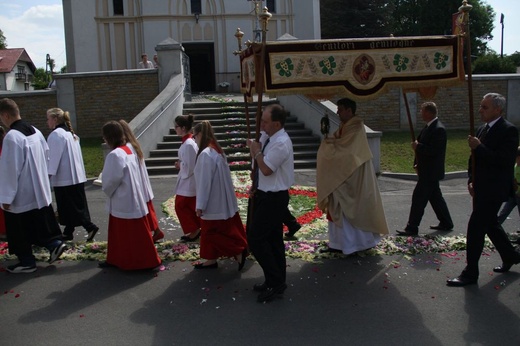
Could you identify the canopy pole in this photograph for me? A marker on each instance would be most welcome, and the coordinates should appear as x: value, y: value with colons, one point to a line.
x: 248, y: 122
x: 465, y: 8
x: 409, y: 116
x: 259, y: 86
x: 239, y: 35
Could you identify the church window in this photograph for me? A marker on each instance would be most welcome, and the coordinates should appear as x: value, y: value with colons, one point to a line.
x: 118, y: 8
x: 196, y: 6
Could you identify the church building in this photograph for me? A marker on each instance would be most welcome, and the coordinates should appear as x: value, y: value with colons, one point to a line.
x: 103, y: 35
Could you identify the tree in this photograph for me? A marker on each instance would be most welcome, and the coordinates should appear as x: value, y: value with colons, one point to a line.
x: 360, y: 18
x: 3, y: 43
x: 434, y: 17
x: 515, y: 57
x: 41, y: 79
x: 380, y: 18
x: 492, y: 63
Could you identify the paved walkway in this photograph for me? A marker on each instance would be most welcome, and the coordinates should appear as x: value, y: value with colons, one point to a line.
x: 381, y: 300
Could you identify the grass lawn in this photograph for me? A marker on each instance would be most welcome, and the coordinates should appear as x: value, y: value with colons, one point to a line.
x: 92, y: 156
x: 396, y: 153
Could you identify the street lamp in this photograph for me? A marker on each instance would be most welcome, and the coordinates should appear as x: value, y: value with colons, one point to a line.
x: 502, y: 40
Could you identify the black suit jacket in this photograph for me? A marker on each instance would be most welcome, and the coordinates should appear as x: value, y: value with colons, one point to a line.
x: 430, y: 153
x: 494, y: 162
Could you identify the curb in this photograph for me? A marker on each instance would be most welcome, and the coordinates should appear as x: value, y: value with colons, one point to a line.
x: 413, y: 176
x: 402, y: 176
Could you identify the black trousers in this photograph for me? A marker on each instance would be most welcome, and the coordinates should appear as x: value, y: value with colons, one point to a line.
x: 34, y: 227
x: 428, y: 191
x: 73, y: 207
x: 484, y: 220
x: 265, y: 234
x: 289, y: 220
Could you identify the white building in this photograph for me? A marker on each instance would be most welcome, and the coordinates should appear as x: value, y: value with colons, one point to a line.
x: 105, y: 35
x: 16, y: 70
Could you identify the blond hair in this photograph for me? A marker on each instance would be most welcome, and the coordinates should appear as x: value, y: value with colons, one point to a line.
x: 62, y: 117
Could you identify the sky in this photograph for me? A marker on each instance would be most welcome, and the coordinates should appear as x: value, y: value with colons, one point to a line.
x: 37, y: 26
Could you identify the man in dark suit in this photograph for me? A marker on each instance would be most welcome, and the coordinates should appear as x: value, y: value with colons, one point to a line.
x: 490, y: 184
x: 430, y: 152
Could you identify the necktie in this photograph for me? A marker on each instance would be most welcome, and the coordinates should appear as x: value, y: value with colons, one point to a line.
x: 255, y: 171
x: 483, y: 133
x: 265, y: 145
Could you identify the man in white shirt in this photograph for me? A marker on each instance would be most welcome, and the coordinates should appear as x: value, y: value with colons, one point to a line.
x: 275, y: 164
x: 145, y: 63
x: 25, y: 193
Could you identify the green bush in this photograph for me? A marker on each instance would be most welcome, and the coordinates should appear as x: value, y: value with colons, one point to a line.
x: 493, y: 63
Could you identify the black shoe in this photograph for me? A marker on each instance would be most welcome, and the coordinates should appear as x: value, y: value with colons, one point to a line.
x: 57, y: 252
x: 19, y: 268
x: 260, y: 287
x: 66, y: 237
x: 408, y: 233
x: 292, y: 230
x: 504, y: 268
x: 440, y: 227
x: 243, y: 261
x: 330, y: 250
x: 461, y: 281
x: 202, y: 266
x: 92, y: 234
x: 187, y: 239
x: 105, y: 264
x: 271, y: 293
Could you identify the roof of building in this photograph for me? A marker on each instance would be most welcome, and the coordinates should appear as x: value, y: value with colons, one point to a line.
x: 11, y: 56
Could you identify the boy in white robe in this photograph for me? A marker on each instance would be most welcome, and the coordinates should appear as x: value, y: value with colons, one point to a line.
x: 25, y: 192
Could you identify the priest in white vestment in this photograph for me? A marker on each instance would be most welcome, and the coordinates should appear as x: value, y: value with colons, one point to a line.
x: 347, y: 186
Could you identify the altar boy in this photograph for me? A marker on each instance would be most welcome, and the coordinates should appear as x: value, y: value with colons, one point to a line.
x: 25, y: 193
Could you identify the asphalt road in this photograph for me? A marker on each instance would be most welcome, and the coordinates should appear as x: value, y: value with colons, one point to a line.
x: 374, y: 300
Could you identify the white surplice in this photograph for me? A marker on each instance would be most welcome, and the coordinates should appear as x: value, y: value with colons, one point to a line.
x: 215, y: 192
x: 185, y: 185
x: 23, y: 168
x: 65, y: 159
x: 148, y: 191
x: 122, y: 183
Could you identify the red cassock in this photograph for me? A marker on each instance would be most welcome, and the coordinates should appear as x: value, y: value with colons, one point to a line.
x: 130, y: 244
x: 222, y: 238
x: 152, y: 216
x: 185, y: 210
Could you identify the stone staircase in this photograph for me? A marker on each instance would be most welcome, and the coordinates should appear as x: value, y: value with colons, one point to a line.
x: 230, y: 126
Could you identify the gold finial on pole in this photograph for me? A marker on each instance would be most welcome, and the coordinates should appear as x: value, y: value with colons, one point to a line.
x: 239, y: 34
x: 264, y: 18
x: 465, y: 8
